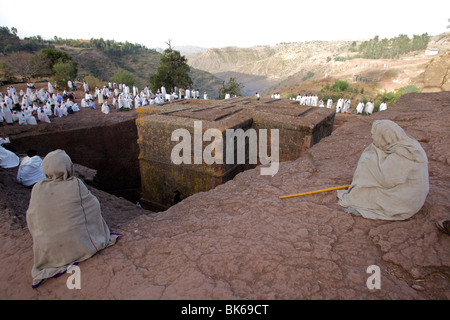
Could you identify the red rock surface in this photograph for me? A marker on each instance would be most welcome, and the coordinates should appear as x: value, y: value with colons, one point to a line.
x: 240, y: 241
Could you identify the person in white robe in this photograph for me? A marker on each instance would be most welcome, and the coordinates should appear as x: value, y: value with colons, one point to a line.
x: 86, y: 87
x: 329, y: 103
x: 75, y: 107
x: 30, y: 120
x: 369, y: 108
x: 227, y: 96
x: 50, y: 88
x: 347, y: 104
x: 383, y: 106
x: 8, y: 159
x: 9, y: 103
x: 106, y: 93
x: 48, y: 110
x: 303, y: 100
x: 321, y: 104
x: 43, y: 117
x: 360, y: 107
x: 21, y: 118
x: 100, y: 97
x: 57, y: 112
x: 16, y: 101
x: 7, y: 115
x: 30, y: 169
x: 137, y: 102
x: 70, y: 85
x: 188, y: 93
x: 120, y: 102
x: 63, y: 109
x: 35, y: 107
x: 105, y: 108
x: 129, y: 103
x: 15, y: 116
x: 115, y: 103
x: 339, y: 105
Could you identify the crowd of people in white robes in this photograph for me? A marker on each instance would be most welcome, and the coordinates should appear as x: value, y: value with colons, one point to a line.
x: 27, y: 108
x: 125, y: 98
x: 30, y: 106
x: 342, y: 105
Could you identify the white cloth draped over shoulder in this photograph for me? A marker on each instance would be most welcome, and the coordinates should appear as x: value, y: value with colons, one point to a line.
x: 64, y: 220
x: 43, y: 117
x: 391, y: 178
x: 30, y: 171
x: 7, y: 115
x: 360, y: 107
x: 369, y: 107
x: 8, y: 159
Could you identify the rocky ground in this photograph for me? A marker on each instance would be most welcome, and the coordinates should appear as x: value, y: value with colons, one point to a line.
x: 240, y: 241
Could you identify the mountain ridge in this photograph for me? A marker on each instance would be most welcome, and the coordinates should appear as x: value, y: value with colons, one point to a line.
x: 261, y: 68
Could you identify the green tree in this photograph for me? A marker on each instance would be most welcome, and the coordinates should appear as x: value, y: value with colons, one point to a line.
x: 232, y: 87
x: 172, y: 72
x: 56, y: 56
x: 63, y: 72
x: 124, y: 76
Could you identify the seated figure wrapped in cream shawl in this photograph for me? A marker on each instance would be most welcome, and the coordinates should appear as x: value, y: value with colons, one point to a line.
x: 391, y: 178
x: 64, y: 219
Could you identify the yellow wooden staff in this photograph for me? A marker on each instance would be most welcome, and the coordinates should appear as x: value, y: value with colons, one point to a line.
x: 313, y: 192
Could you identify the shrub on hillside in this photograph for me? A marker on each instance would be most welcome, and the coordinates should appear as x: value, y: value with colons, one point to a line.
x: 94, y: 82
x: 340, y: 86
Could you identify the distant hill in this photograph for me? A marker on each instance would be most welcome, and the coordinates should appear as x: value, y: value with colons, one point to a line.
x: 289, y: 66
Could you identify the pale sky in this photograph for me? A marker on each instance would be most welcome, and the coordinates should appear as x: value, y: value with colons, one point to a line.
x: 212, y: 23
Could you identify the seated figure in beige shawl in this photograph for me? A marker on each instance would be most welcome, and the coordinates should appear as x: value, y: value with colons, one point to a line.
x: 64, y: 220
x: 391, y: 178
